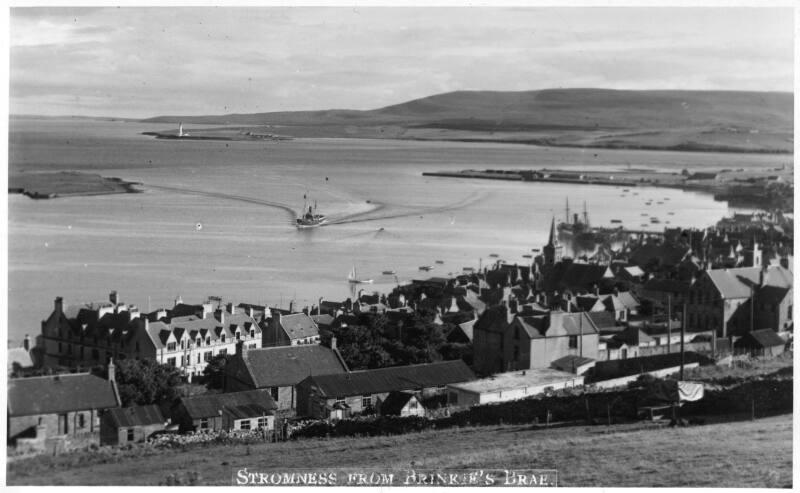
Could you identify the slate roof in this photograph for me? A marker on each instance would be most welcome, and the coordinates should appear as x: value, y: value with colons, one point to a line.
x: 633, y: 336
x: 734, y: 283
x: 570, y: 362
x: 604, y: 321
x: 397, y: 378
x: 59, y: 394
x: 247, y: 404
x: 126, y: 417
x: 325, y: 319
x: 576, y: 275
x: 667, y: 285
x: 21, y: 356
x: 466, y: 328
x: 395, y: 402
x: 762, y: 338
x: 288, y: 365
x: 778, y: 276
x: 557, y: 324
x: 298, y: 326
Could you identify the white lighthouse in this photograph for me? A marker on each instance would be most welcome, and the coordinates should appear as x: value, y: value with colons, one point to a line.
x: 180, y: 129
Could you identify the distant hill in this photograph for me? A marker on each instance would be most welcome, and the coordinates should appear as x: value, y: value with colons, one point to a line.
x: 685, y: 120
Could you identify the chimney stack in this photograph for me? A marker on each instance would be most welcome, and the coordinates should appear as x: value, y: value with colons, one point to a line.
x: 112, y: 370
x: 113, y: 298
x: 59, y: 304
x: 291, y: 306
x: 26, y: 343
x: 221, y: 316
x: 231, y: 308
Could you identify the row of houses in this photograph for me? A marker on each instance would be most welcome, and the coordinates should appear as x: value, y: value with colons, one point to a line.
x: 185, y: 336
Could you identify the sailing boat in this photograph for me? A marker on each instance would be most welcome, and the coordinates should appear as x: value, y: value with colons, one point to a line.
x: 310, y: 219
x: 353, y: 278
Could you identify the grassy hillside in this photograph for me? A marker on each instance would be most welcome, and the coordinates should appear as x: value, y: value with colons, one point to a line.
x: 685, y: 120
x: 735, y: 454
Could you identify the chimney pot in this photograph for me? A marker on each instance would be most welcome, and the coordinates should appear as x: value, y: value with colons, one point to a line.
x: 26, y: 343
x: 113, y: 298
x: 59, y: 304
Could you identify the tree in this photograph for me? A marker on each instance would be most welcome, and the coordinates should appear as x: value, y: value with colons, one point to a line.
x: 144, y: 381
x: 214, y: 372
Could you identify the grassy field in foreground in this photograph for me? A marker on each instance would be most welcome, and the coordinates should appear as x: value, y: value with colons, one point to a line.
x: 734, y: 454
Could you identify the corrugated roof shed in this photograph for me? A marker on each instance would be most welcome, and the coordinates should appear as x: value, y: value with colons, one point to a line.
x: 397, y: 378
x: 239, y: 404
x: 289, y: 365
x: 59, y: 394
x: 126, y: 417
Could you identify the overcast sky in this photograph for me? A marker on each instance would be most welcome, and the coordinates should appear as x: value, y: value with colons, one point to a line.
x: 139, y: 62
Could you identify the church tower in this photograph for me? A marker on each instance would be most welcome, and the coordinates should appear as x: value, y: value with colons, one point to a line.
x: 553, y: 251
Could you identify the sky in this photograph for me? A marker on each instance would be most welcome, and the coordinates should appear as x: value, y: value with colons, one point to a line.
x: 147, y: 61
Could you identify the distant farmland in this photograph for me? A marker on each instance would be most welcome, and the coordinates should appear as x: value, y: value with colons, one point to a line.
x: 726, y: 121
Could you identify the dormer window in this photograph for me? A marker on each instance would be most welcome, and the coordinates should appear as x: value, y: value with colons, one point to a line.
x: 171, y: 346
x: 238, y: 335
x: 222, y: 338
x: 252, y: 333
x: 199, y: 341
x: 208, y: 341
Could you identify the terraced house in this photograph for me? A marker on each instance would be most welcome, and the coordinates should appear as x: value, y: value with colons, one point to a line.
x: 186, y: 336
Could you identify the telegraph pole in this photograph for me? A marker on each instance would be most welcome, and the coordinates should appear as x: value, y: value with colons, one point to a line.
x: 669, y: 323
x: 683, y: 331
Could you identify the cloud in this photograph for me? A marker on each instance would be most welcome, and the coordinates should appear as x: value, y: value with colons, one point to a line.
x: 201, y: 60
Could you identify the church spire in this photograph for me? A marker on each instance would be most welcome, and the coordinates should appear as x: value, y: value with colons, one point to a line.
x: 553, y: 239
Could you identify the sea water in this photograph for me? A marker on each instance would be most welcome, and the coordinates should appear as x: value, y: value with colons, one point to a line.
x: 216, y: 218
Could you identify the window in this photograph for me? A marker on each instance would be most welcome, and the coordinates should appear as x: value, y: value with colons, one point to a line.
x: 137, y: 346
x: 573, y: 342
x: 223, y: 351
x: 516, y: 333
x: 69, y: 348
x: 244, y: 424
x: 274, y: 393
x: 60, y: 348
x: 81, y: 352
x: 238, y: 336
x: 130, y: 434
x: 183, y: 344
x: 366, y: 401
x: 198, y: 358
x: 252, y: 332
x: 204, y: 424
x: 222, y: 338
x: 207, y: 356
x: 81, y: 421
x: 171, y: 361
x: 623, y: 353
x: 199, y: 342
x: 171, y: 346
x: 208, y: 341
x: 263, y: 422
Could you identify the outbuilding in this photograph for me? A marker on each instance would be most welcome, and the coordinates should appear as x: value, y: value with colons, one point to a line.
x: 510, y: 386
